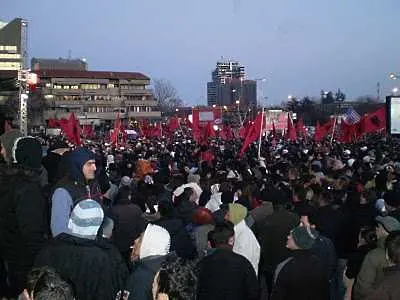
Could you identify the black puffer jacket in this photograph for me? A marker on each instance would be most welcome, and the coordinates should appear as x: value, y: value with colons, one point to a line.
x: 94, y: 267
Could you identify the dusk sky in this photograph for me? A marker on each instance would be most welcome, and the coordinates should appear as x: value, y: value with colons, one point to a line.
x: 300, y: 46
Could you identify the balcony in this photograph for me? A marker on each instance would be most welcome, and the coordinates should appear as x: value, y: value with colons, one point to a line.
x: 144, y: 114
x: 140, y: 103
x: 59, y: 113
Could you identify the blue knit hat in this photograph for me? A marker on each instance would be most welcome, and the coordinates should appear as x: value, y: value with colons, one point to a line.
x: 86, y: 219
x: 77, y: 159
x: 304, y: 236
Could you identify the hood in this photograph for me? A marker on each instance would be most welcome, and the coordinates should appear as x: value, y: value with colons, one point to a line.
x: 27, y: 152
x: 7, y: 140
x: 156, y: 241
x: 76, y: 160
x: 237, y: 213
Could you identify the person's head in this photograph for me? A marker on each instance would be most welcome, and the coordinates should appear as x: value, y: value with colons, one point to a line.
x: 367, y: 236
x: 222, y: 236
x: 301, y: 237
x: 83, y: 164
x: 236, y: 213
x: 154, y: 240
x: 86, y: 219
x: 176, y: 280
x: 7, y: 142
x: 392, y: 244
x: 107, y: 228
x: 386, y: 225
x: 45, y: 284
x: 203, y: 216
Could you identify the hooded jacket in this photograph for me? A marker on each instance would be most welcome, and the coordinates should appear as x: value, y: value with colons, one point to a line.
x: 23, y: 210
x: 246, y: 243
x: 72, y: 189
x: 153, y: 252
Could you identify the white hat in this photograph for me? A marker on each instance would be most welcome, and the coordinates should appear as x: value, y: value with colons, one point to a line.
x: 156, y: 241
x: 350, y: 162
x: 347, y: 152
x: 367, y: 159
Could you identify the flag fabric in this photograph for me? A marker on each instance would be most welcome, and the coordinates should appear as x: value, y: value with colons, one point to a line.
x: 291, y: 131
x: 322, y: 131
x: 226, y: 133
x: 71, y: 129
x: 373, y: 122
x: 351, y: 116
x: 318, y: 136
x: 116, y: 131
x: 273, y: 129
x: 208, y: 132
x: 253, y: 133
x: 173, y: 124
x: 300, y: 128
x: 347, y: 133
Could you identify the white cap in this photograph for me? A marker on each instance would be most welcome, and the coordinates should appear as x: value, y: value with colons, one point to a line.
x: 347, y: 152
x: 350, y: 162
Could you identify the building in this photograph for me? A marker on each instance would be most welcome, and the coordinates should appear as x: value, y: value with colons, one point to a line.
x: 13, y: 45
x: 58, y: 64
x: 94, y: 96
x: 230, y: 87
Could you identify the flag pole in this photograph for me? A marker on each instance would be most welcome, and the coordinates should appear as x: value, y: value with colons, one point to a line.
x: 261, y: 130
x: 333, y: 129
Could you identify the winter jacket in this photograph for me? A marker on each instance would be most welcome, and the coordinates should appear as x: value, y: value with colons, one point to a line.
x: 139, y: 283
x: 128, y: 224
x: 94, y: 267
x: 181, y: 241
x: 300, y: 277
x: 225, y: 275
x: 23, y: 222
x: 389, y: 288
x: 371, y: 269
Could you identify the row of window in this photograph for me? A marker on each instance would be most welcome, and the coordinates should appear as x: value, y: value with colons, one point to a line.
x: 10, y: 55
x: 10, y: 65
x: 8, y: 48
x: 96, y: 98
x: 103, y: 109
x: 94, y: 86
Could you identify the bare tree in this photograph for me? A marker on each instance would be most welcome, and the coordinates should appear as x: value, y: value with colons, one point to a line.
x: 166, y: 95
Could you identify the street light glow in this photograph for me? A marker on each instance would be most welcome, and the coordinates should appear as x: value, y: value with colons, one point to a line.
x: 395, y: 90
x: 214, y: 105
x: 290, y: 97
x: 237, y: 102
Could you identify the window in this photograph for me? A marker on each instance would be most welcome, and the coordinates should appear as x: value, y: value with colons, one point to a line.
x: 10, y: 65
x: 66, y: 87
x: 110, y: 85
x: 74, y: 87
x: 48, y: 85
x: 58, y: 87
x: 10, y: 56
x: 8, y: 48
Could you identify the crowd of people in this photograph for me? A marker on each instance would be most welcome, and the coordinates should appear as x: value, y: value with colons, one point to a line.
x: 168, y: 218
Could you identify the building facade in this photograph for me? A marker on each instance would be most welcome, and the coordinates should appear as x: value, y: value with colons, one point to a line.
x: 230, y: 87
x: 95, y: 97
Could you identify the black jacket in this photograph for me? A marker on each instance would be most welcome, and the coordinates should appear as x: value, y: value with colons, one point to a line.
x: 301, y: 277
x: 225, y: 275
x: 96, y: 269
x: 23, y: 222
x: 181, y: 241
x: 139, y: 283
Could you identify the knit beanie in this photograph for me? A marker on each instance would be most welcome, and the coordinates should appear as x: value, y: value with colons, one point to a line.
x: 86, y: 219
x: 304, y: 236
x: 156, y: 241
x: 237, y: 213
x: 7, y: 140
x: 27, y: 152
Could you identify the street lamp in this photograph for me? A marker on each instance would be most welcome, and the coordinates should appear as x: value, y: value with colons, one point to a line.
x: 395, y: 90
x: 394, y: 76
x: 214, y: 106
x: 290, y: 97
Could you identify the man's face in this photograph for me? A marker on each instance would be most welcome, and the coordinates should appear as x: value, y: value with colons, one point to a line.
x: 135, y: 254
x: 89, y: 169
x: 291, y: 244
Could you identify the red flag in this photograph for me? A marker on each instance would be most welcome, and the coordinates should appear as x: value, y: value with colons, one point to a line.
x: 348, y: 132
x: 116, y: 131
x: 226, y: 133
x: 300, y: 128
x: 291, y: 134
x: 244, y: 130
x: 173, y: 124
x: 373, y: 122
x: 253, y: 133
x: 208, y: 132
x: 7, y: 126
x: 318, y: 136
x: 72, y: 129
x: 54, y: 123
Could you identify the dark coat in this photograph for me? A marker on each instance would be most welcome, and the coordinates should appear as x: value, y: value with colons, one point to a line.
x: 181, y: 241
x: 23, y: 222
x: 225, y: 275
x: 273, y: 236
x: 96, y: 269
x: 139, y: 283
x: 389, y: 288
x: 128, y: 225
x: 302, y: 277
x: 51, y: 163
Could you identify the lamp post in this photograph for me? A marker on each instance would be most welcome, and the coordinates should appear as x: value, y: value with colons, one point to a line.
x: 263, y: 105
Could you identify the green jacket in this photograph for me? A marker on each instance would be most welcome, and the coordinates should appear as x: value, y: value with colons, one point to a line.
x: 371, y: 270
